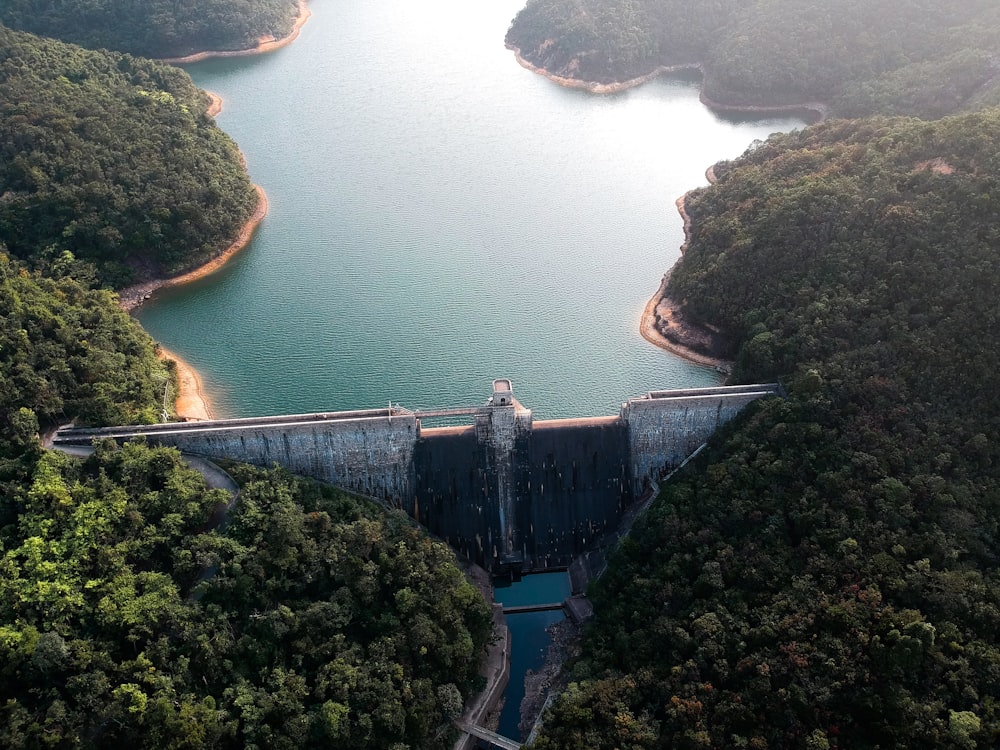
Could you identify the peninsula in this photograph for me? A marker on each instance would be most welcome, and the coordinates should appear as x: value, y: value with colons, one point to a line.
x: 133, y: 296
x: 266, y: 43
x: 764, y: 55
x: 162, y: 28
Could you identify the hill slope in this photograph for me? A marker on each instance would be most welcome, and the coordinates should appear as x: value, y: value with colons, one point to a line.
x: 153, y: 28
x: 113, y: 159
x: 826, y: 575
x: 125, y: 623
x: 913, y: 57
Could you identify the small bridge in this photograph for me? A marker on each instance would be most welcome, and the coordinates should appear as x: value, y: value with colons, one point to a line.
x: 495, y: 740
x: 506, y: 491
x: 522, y: 609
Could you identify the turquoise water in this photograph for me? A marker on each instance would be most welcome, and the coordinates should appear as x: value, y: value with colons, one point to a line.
x: 441, y: 217
x: 529, y: 642
x: 538, y: 588
x: 529, y: 637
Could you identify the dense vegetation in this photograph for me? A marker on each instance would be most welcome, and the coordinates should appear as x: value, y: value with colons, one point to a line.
x: 130, y: 614
x: 111, y: 159
x: 129, y: 617
x: 153, y: 28
x: 826, y: 575
x: 68, y: 350
x: 915, y: 57
x: 313, y: 620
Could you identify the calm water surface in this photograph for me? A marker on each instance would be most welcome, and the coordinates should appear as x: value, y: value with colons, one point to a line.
x: 529, y: 638
x: 441, y: 217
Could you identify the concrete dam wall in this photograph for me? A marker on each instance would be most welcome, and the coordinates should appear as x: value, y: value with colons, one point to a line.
x: 505, y: 490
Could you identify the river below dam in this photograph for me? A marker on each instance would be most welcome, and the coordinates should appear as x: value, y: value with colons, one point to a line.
x: 529, y: 637
x: 441, y: 217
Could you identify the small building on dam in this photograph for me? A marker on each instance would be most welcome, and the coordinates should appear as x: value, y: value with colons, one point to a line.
x: 507, y: 491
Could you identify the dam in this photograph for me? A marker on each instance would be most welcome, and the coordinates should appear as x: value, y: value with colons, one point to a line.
x: 511, y: 493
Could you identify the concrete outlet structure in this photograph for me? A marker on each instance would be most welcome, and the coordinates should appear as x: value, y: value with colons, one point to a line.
x: 507, y: 491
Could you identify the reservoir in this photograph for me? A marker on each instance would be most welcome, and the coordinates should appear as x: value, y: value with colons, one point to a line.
x: 439, y: 217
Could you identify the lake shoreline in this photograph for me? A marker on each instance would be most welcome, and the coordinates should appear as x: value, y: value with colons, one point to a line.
x: 594, y: 87
x: 190, y: 403
x: 131, y: 298
x: 214, y: 108
x: 263, y: 47
x: 819, y: 109
x: 662, y: 323
x: 663, y: 312
x: 681, y: 337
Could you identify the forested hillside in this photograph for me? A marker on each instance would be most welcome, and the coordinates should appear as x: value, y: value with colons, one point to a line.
x: 133, y: 613
x: 67, y: 351
x: 826, y: 574
x: 112, y: 159
x: 154, y: 28
x: 128, y: 619
x: 912, y: 57
x: 313, y: 620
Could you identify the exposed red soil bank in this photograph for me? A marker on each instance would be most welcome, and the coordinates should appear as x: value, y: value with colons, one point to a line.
x: 264, y: 44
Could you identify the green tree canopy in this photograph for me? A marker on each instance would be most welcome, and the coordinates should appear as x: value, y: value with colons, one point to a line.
x: 68, y: 351
x: 153, y: 28
x: 314, y: 620
x: 112, y: 159
x: 825, y: 575
x: 915, y: 57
